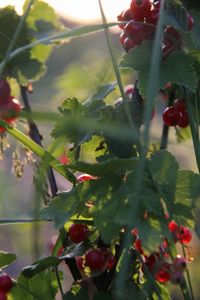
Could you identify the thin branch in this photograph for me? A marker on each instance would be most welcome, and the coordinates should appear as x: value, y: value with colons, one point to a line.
x: 36, y: 136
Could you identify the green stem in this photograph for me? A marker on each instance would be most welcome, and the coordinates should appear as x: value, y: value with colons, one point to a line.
x: 17, y: 221
x: 59, y: 283
x: 194, y: 128
x: 115, y: 65
x: 39, y: 151
x: 14, y: 38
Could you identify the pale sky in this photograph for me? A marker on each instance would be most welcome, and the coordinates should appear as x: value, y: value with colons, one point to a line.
x: 87, y: 10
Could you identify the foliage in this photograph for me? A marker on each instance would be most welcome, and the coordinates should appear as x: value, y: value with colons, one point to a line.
x: 131, y: 188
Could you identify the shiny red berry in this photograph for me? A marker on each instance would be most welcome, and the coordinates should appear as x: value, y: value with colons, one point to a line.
x: 140, y: 8
x: 128, y: 89
x: 168, y: 49
x: 137, y: 32
x: 84, y: 177
x: 121, y: 19
x: 190, y: 22
x: 95, y: 260
x: 4, y: 91
x: 172, y: 34
x: 78, y: 233
x: 79, y: 262
x: 109, y: 257
x: 184, y: 121
x: 163, y: 273
x: 3, y: 295
x: 185, y: 235
x: 5, y: 283
x: 171, y: 116
x: 128, y: 44
x: 138, y: 245
x: 10, y: 109
x: 127, y: 15
x: 179, y: 104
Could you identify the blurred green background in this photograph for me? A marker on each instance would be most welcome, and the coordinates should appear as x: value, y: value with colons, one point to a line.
x: 75, y: 69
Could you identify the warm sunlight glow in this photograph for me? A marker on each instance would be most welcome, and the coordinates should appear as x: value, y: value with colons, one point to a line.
x: 84, y: 11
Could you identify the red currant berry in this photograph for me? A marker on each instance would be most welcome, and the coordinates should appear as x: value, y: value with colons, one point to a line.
x: 4, y: 91
x: 63, y: 159
x: 129, y: 89
x: 180, y: 263
x: 5, y: 283
x: 176, y: 277
x: 152, y: 17
x: 136, y: 32
x: 171, y: 116
x: 180, y: 105
x: 78, y: 233
x: 167, y: 50
x: 190, y: 22
x: 95, y: 260
x: 174, y: 34
x: 84, y: 177
x: 10, y: 109
x: 109, y: 257
x: 185, y: 236
x: 140, y: 8
x: 127, y: 15
x: 138, y: 245
x: 151, y: 263
x: 184, y: 121
x: 163, y: 273
x: 121, y: 19
x: 128, y: 44
x: 175, y: 230
x: 122, y: 38
x: 3, y: 296
x: 79, y: 262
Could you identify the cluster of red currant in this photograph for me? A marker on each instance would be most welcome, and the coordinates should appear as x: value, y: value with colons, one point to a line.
x: 5, y: 286
x: 156, y: 263
x: 99, y: 259
x: 176, y: 114
x: 9, y: 105
x: 142, y: 17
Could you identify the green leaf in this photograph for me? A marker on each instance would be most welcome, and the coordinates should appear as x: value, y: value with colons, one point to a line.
x: 104, y: 168
x: 81, y: 295
x: 176, y: 187
x: 8, y: 23
x: 6, y: 258
x: 41, y: 265
x: 151, y: 231
x: 41, y: 52
x: 101, y: 295
x: 96, y: 146
x: 61, y: 208
x: 184, y: 134
x: 39, y: 11
x: 177, y: 14
x: 28, y: 70
x: 101, y: 92
x: 177, y: 68
x: 43, y: 286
